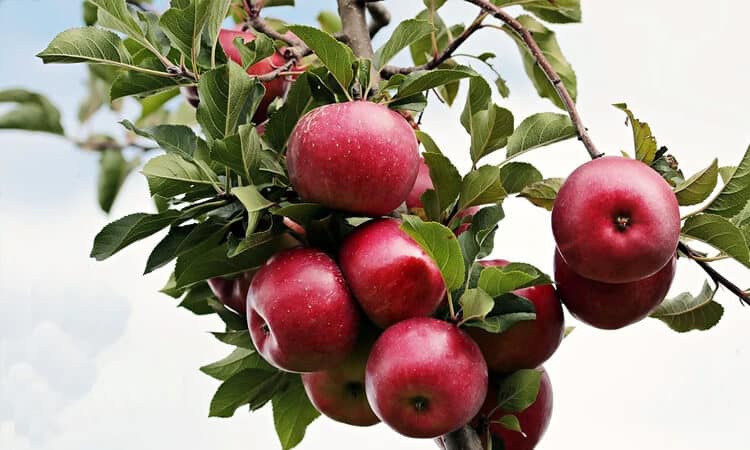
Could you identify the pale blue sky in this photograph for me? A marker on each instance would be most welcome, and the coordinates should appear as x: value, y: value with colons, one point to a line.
x: 92, y: 358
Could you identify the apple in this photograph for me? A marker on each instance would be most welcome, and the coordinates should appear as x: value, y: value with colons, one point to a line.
x: 425, y: 378
x: 616, y: 220
x: 232, y: 292
x: 611, y: 306
x: 534, y: 420
x: 274, y: 88
x: 358, y: 157
x: 421, y: 185
x: 468, y: 212
x: 389, y: 273
x: 528, y: 344
x: 300, y: 314
x: 339, y: 393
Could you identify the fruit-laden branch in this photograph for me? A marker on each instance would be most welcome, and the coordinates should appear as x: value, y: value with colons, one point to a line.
x: 714, y: 274
x: 389, y: 71
x: 544, y: 64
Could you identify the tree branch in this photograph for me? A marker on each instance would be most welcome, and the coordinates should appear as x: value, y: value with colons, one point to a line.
x: 380, y: 15
x: 544, y: 64
x: 356, y: 31
x: 389, y: 71
x: 714, y: 274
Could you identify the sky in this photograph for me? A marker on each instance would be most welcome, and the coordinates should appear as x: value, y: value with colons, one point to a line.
x: 92, y: 357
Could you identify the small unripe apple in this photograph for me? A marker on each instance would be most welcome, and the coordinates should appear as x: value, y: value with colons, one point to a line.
x: 528, y: 344
x: 300, y: 314
x: 339, y: 393
x: 358, y: 157
x: 274, y: 88
x: 421, y: 185
x: 616, y: 220
x: 534, y: 420
x: 612, y: 306
x: 389, y: 273
x: 425, y: 378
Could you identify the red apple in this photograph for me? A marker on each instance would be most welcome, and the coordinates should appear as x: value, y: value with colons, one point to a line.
x: 425, y: 378
x: 339, y: 393
x: 421, y: 184
x: 390, y: 275
x: 534, y: 420
x: 526, y: 345
x: 300, y: 314
x: 358, y: 157
x: 274, y: 88
x: 232, y: 292
x: 611, y: 306
x: 468, y: 212
x: 616, y: 220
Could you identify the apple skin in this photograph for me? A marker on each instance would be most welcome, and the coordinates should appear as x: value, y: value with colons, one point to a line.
x: 358, y: 157
x: 585, y: 220
x: 300, y: 314
x: 274, y: 88
x: 526, y: 345
x: 233, y: 293
x: 425, y: 378
x: 421, y: 185
x: 468, y: 212
x: 534, y: 420
x: 339, y: 393
x: 390, y: 275
x: 611, y: 306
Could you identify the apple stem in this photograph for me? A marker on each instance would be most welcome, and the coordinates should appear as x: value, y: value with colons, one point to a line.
x: 717, y: 277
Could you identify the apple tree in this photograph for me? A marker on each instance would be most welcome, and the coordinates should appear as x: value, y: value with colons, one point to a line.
x: 345, y: 254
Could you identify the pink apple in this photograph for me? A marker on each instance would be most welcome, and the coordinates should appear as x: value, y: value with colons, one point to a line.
x: 339, y: 393
x: 534, y: 420
x: 616, y: 220
x: 468, y: 212
x: 358, y: 157
x: 390, y: 275
x: 611, y: 306
x: 425, y: 378
x: 300, y: 314
x: 526, y: 345
x: 421, y: 185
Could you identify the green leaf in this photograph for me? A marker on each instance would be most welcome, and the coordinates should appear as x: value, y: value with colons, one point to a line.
x: 551, y: 49
x: 445, y: 179
x: 113, y: 170
x: 519, y: 390
x: 481, y: 187
x: 228, y: 98
x: 735, y: 196
x: 719, y: 233
x: 167, y: 249
x: 557, y: 11
x: 337, y: 57
x: 329, y: 22
x: 509, y: 422
x: 87, y: 45
x: 241, y: 389
x: 240, y: 359
x: 114, y: 14
x: 33, y: 112
x: 424, y: 80
x: 687, y: 312
x: 490, y: 131
x: 217, y: 12
x: 479, y: 99
x: 123, y: 232
x: 428, y: 143
x: 697, y: 188
x: 292, y: 414
x: 726, y: 173
x: 540, y: 130
x: 242, y: 153
x: 478, y: 240
x: 302, y: 213
x: 503, y: 322
x: 405, y: 34
x: 184, y: 24
x: 281, y: 123
x: 170, y: 175
x: 440, y: 243
x: 259, y: 48
x: 497, y: 281
x: 516, y: 176
x: 239, y: 338
x: 177, y: 139
x: 139, y: 84
x: 476, y: 304
x: 543, y: 193
x: 645, y: 142
x: 254, y: 203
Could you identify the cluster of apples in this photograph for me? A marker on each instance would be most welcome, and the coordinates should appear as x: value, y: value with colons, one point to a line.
x: 358, y: 325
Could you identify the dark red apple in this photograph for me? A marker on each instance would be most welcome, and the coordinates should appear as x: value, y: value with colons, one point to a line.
x: 616, y: 220
x: 358, y: 157
x: 390, y: 275
x: 468, y: 212
x: 421, y: 184
x: 611, y: 306
x: 526, y: 345
x: 534, y: 420
x: 339, y: 393
x: 300, y: 314
x: 232, y: 292
x: 425, y: 378
x: 274, y: 88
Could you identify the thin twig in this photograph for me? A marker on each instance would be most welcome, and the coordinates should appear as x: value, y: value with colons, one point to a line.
x: 718, y: 278
x: 380, y: 15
